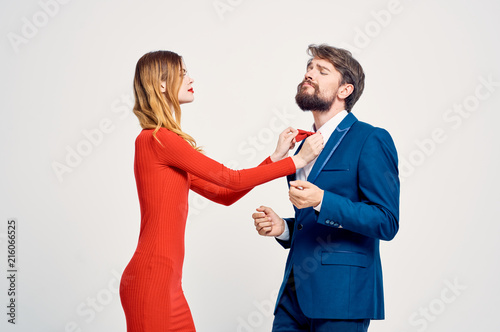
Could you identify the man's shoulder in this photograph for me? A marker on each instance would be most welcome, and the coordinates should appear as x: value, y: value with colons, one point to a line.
x: 360, y: 125
x: 364, y: 127
x: 363, y: 132
x: 360, y: 128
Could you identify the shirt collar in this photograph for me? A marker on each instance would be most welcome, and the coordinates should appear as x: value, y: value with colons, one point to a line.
x: 328, y: 128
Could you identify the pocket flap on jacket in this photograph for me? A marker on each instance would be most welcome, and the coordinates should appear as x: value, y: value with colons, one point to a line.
x: 344, y: 258
x: 336, y: 167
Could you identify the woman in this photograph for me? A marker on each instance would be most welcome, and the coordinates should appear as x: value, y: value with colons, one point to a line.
x: 167, y: 164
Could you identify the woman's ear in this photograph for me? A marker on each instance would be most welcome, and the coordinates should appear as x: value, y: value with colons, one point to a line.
x: 163, y: 86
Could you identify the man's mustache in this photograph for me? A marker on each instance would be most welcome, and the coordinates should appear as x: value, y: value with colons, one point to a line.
x: 314, y: 85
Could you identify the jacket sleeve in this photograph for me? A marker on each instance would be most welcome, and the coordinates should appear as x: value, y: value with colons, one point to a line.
x: 376, y: 215
x: 286, y: 244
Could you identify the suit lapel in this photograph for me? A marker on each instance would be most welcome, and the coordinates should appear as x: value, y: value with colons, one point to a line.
x: 332, y: 144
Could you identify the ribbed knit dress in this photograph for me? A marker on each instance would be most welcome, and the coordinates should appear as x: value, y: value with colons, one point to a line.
x: 150, y: 289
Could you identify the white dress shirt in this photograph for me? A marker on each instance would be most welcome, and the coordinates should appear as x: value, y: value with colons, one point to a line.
x: 326, y: 130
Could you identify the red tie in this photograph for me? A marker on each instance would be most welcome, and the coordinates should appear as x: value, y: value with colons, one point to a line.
x: 303, y: 135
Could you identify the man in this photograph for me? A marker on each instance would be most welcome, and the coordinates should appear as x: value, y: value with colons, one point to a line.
x: 345, y: 202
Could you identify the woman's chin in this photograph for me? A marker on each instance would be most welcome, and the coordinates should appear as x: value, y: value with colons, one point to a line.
x: 186, y: 101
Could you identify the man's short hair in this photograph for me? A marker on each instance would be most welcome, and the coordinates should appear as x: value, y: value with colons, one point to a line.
x: 349, y: 68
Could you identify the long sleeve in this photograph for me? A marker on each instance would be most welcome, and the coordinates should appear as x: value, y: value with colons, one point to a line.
x: 287, y: 241
x: 217, y: 193
x: 176, y: 152
x: 377, y: 214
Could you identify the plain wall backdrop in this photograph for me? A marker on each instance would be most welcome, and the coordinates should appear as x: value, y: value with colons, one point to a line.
x: 67, y: 148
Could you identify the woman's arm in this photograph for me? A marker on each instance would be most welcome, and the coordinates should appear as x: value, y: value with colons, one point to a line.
x: 176, y: 152
x: 217, y: 193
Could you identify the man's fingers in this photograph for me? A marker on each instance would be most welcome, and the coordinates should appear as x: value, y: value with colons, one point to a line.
x: 299, y: 183
x: 262, y: 225
x: 293, y: 191
x: 261, y: 220
x: 266, y: 230
x: 257, y: 215
x: 296, y: 201
x: 267, y: 210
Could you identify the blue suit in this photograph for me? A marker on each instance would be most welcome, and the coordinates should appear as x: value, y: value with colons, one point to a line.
x: 334, y: 254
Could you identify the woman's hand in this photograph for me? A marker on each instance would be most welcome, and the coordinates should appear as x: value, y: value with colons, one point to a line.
x: 286, y: 142
x: 312, y: 147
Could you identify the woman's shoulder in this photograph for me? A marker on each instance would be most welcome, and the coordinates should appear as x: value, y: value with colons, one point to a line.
x: 163, y: 135
x: 150, y: 133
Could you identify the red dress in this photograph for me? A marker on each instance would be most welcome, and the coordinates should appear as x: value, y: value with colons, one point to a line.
x: 150, y: 289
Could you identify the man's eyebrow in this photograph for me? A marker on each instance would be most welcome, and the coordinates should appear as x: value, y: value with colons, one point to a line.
x: 323, y: 67
x: 309, y: 64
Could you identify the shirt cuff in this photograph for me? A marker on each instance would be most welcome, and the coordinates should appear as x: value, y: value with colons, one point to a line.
x: 285, y: 236
x: 318, y: 207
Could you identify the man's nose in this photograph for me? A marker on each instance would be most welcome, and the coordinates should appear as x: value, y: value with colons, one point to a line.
x: 308, y: 75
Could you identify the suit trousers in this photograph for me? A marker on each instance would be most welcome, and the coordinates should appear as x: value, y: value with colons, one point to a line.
x: 290, y: 318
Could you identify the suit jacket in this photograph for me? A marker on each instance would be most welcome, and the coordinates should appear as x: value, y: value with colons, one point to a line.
x: 334, y: 254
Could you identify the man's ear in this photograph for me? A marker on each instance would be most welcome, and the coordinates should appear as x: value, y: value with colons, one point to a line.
x: 163, y: 86
x: 345, y: 91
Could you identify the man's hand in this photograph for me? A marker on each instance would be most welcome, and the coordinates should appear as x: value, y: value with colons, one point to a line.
x: 286, y: 142
x: 304, y: 194
x: 267, y: 222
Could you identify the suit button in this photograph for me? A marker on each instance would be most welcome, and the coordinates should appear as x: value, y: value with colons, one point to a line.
x: 327, y: 221
x: 300, y: 226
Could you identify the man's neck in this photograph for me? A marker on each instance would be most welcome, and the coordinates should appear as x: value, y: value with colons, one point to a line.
x: 320, y: 118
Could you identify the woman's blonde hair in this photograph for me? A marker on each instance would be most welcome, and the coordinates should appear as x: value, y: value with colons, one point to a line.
x: 156, y: 109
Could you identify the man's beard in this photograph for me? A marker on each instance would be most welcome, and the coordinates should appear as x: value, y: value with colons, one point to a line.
x: 312, y: 102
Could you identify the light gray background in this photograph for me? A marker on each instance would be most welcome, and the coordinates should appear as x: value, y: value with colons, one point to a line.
x: 423, y: 60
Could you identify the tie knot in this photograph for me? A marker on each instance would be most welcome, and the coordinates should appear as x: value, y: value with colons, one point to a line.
x: 303, y: 134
